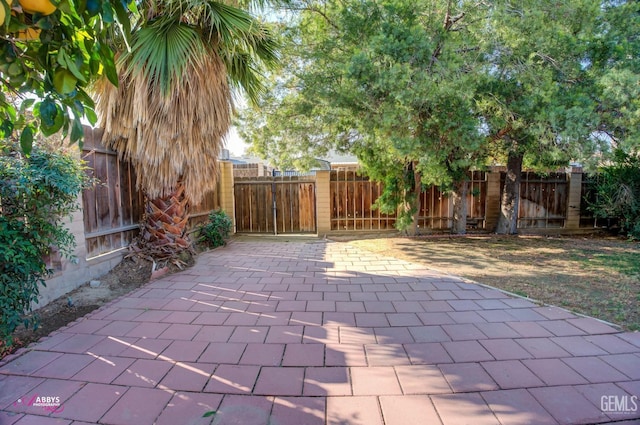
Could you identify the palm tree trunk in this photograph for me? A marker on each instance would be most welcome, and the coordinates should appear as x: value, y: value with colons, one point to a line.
x: 164, y: 229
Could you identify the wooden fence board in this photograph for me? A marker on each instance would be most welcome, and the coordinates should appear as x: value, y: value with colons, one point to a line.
x: 115, y: 198
x: 307, y: 207
x: 199, y: 214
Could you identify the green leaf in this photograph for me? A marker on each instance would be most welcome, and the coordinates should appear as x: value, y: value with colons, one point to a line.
x: 123, y: 19
x: 64, y: 81
x: 162, y: 51
x: 72, y: 66
x: 109, y: 64
x: 209, y: 414
x: 26, y: 140
x: 91, y: 115
x: 55, y: 126
x: 93, y: 7
x: 48, y: 112
x: 11, y: 111
x: 6, y: 128
x: 26, y: 104
x: 76, y: 131
x: 7, y: 13
x: 83, y: 97
x: 107, y: 13
x: 62, y: 57
x: 51, y: 118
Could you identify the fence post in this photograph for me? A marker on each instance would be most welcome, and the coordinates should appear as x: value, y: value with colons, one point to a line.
x: 492, y: 211
x: 574, y: 198
x: 323, y: 201
x: 227, y: 203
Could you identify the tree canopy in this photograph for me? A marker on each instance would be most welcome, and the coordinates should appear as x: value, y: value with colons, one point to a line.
x: 391, y: 81
x: 432, y: 88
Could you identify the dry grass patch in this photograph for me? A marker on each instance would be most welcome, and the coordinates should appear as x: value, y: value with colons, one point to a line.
x: 596, y: 276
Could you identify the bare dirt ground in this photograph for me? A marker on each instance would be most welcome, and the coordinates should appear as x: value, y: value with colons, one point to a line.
x: 593, y: 275
x: 125, y: 277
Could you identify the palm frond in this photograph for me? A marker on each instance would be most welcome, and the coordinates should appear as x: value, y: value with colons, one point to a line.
x: 243, y: 75
x: 173, y: 137
x: 223, y: 27
x: 162, y: 51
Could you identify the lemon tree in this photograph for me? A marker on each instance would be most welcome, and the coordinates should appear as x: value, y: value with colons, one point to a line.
x: 50, y: 52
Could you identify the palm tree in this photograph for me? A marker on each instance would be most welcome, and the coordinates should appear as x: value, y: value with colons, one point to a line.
x: 174, y: 102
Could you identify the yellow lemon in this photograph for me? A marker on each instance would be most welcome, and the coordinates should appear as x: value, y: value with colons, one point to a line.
x: 44, y: 7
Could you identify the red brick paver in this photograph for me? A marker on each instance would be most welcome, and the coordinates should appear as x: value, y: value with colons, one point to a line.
x: 316, y: 332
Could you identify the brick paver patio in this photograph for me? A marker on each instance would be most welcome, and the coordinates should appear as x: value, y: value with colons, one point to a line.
x: 321, y: 333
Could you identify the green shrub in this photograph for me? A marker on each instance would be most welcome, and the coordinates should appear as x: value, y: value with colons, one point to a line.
x: 617, y: 193
x: 37, y: 192
x: 216, y: 231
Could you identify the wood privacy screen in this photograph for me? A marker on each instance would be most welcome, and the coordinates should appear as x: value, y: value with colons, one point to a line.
x: 294, y: 206
x: 436, y: 208
x: 353, y: 196
x: 543, y: 199
x: 352, y: 199
x: 113, y: 208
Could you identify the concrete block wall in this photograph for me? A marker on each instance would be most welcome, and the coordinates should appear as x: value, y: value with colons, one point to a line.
x: 323, y: 202
x: 574, y: 200
x: 227, y: 202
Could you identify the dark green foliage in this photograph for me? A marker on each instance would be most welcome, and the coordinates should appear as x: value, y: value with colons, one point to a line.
x: 217, y: 230
x: 72, y: 47
x: 618, y: 193
x: 391, y: 81
x: 37, y: 193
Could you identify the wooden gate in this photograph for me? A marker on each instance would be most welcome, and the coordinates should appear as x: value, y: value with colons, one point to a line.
x: 275, y: 204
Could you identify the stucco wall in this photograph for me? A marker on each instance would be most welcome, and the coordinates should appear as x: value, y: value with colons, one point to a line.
x: 77, y: 271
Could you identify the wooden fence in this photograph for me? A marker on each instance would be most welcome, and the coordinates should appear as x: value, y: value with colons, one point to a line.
x: 352, y: 199
x: 353, y: 196
x: 199, y: 214
x: 543, y: 200
x: 436, y: 208
x: 113, y: 208
x: 291, y: 199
